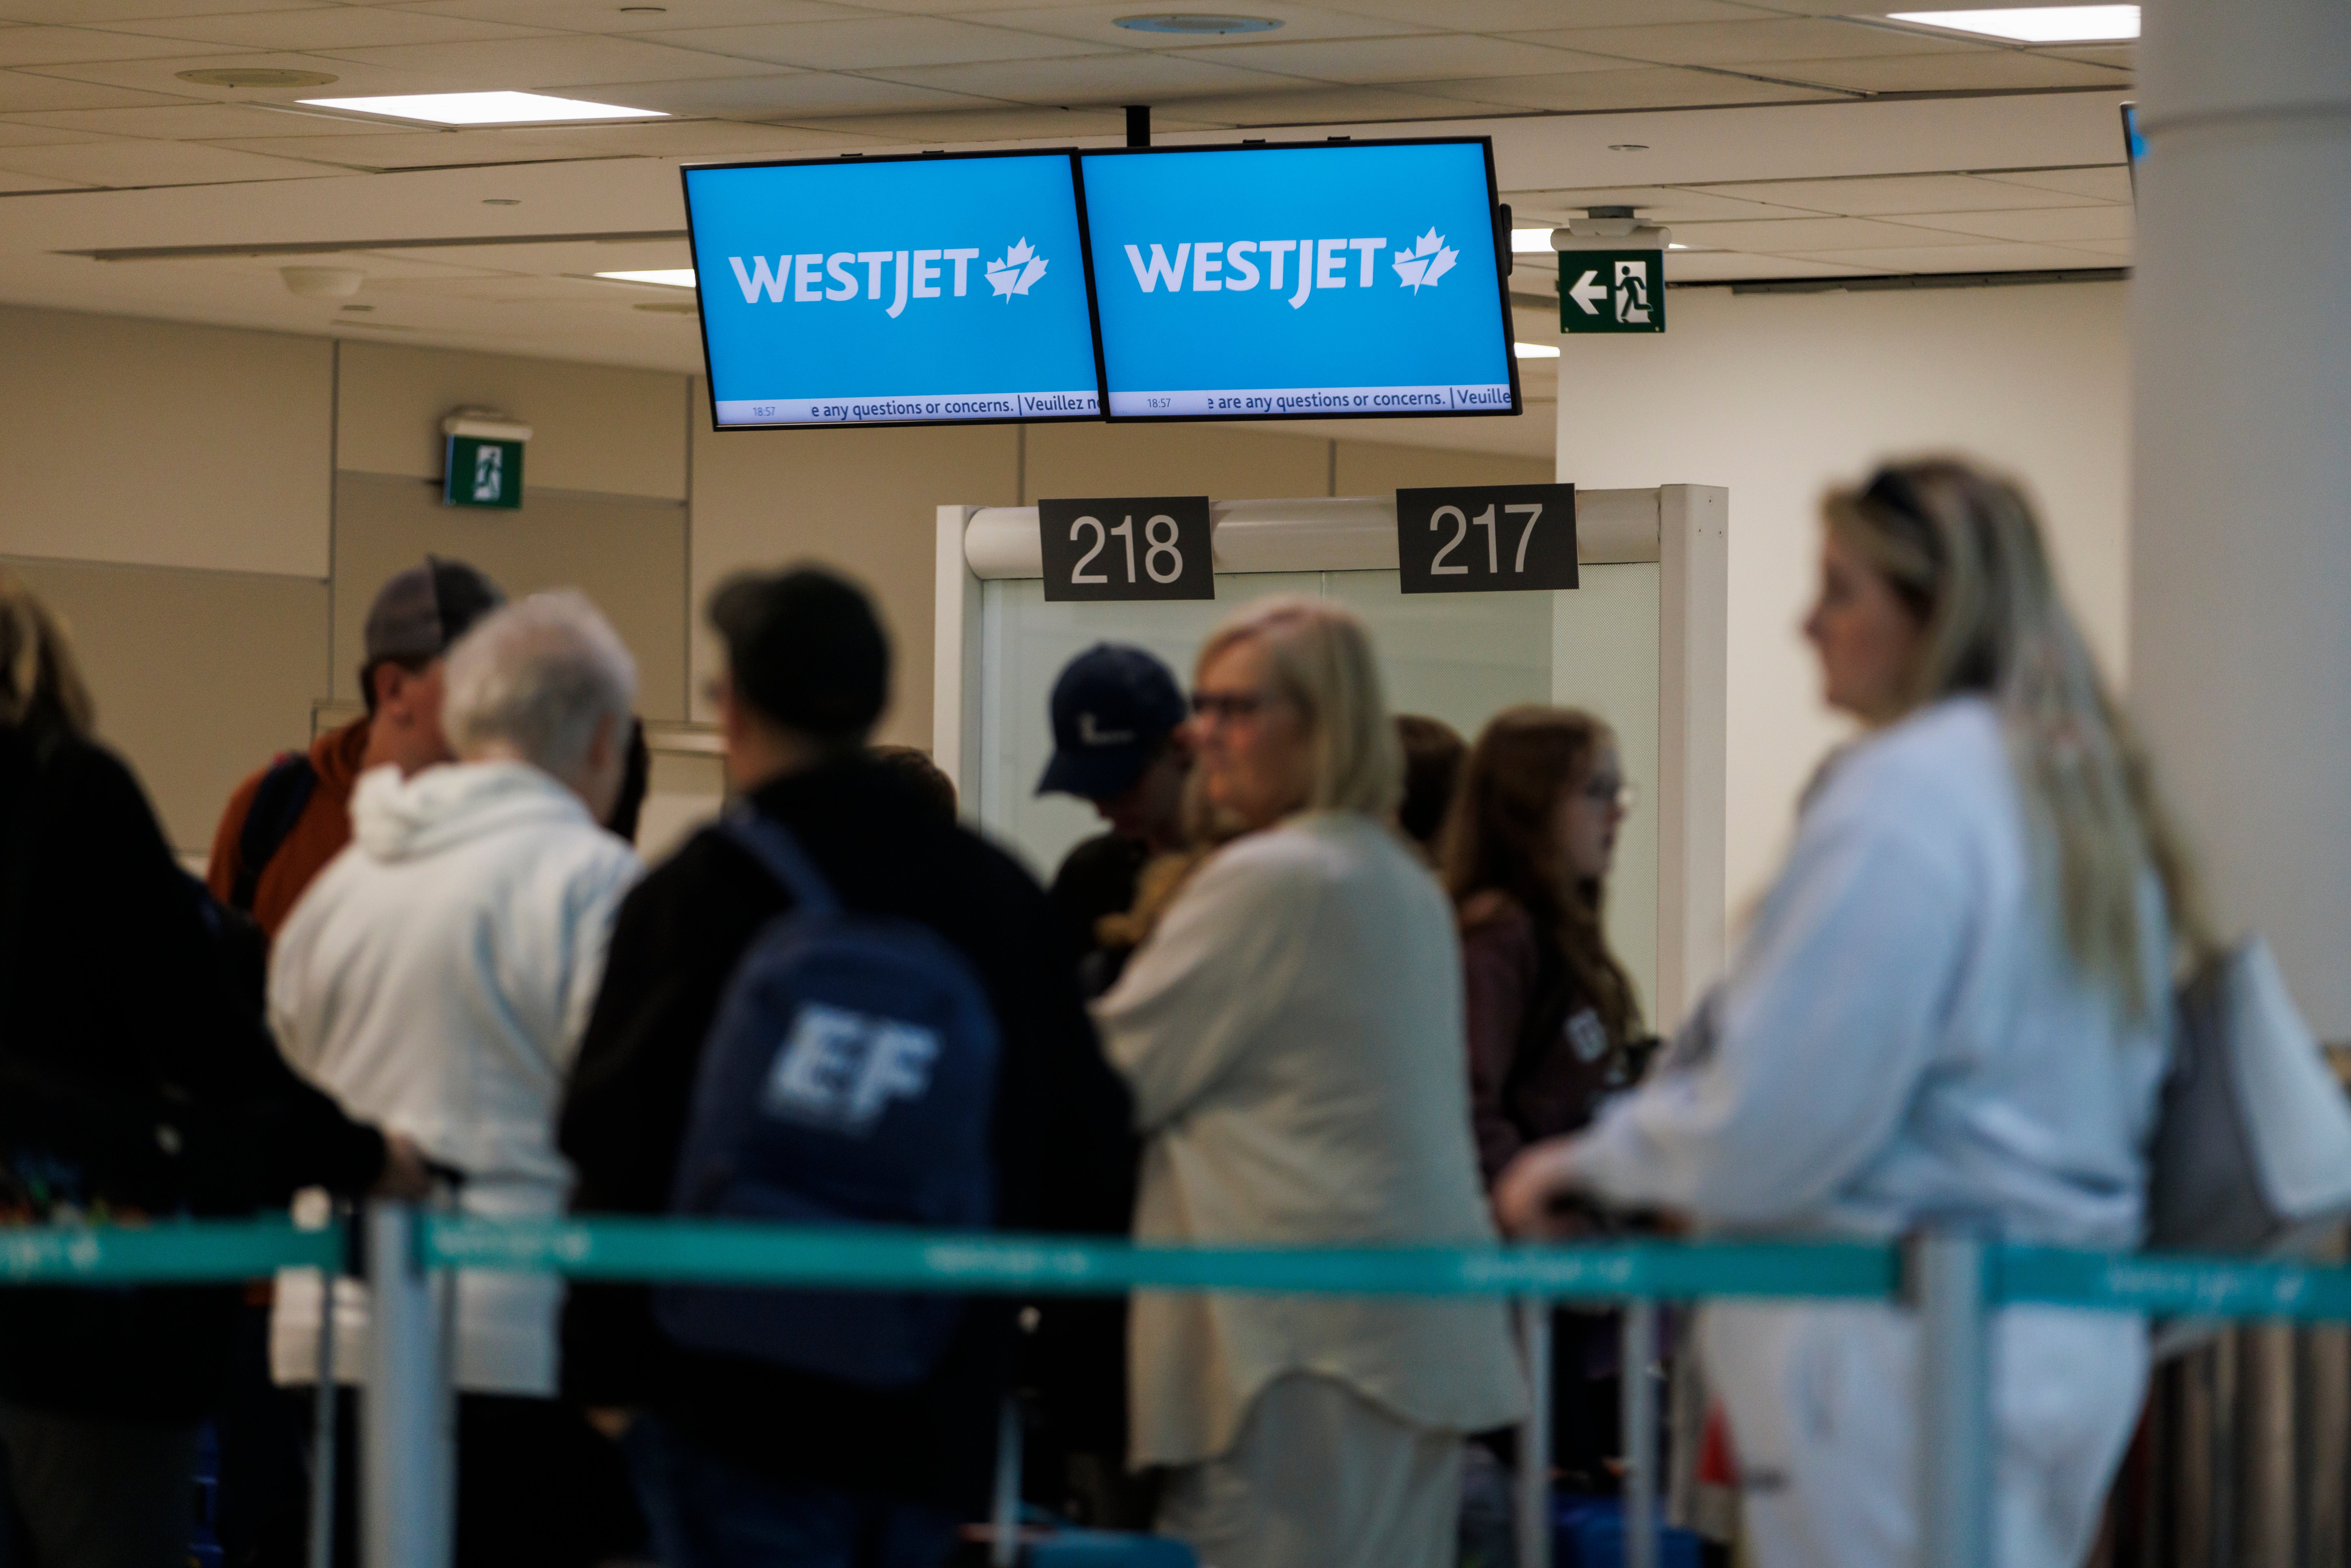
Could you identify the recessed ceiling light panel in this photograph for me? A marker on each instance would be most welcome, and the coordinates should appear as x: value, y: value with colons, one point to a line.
x: 1535, y: 351
x: 1197, y: 22
x: 667, y: 277
x: 1524, y: 242
x: 485, y: 108
x: 2043, y: 24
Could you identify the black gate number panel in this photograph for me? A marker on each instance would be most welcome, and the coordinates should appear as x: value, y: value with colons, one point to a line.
x: 1127, y: 547
x: 1485, y: 538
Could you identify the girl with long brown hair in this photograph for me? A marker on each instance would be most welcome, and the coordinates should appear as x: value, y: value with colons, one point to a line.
x: 1525, y: 855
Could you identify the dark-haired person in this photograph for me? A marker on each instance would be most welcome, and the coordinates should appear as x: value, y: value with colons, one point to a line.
x: 285, y: 822
x: 1433, y: 751
x: 1955, y: 1000
x: 741, y: 1460
x: 1553, y: 1020
x: 1525, y: 853
x: 121, y: 1021
x: 1119, y: 744
x: 913, y: 764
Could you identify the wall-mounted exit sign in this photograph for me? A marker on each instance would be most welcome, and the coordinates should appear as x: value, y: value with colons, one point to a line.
x: 482, y: 460
x: 1611, y: 290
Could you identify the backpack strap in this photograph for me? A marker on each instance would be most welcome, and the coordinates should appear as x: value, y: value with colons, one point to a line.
x: 283, y: 794
x: 779, y: 854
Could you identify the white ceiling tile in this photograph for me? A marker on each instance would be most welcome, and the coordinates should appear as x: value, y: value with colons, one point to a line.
x: 1739, y: 44
x: 545, y: 64
x: 1809, y: 235
x: 1093, y: 79
x: 2103, y: 182
x: 411, y: 150
x: 1658, y: 204
x: 998, y: 123
x: 878, y: 43
x: 12, y: 182
x: 1321, y: 106
x: 707, y: 139
x: 124, y: 163
x: 571, y: 15
x: 1961, y: 258
x: 162, y: 76
x: 1456, y: 55
x: 1968, y: 70
x: 793, y: 96
x: 329, y: 27
x: 87, y: 13
x: 22, y: 92
x: 2058, y: 225
x: 202, y: 122
x: 1712, y: 266
x: 38, y: 130
x: 1096, y: 22
x: 1636, y: 87
x: 67, y: 46
x: 1887, y: 195
x: 1529, y: 16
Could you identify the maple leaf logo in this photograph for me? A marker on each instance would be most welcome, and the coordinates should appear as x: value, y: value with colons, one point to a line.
x: 1015, y: 271
x: 1429, y: 260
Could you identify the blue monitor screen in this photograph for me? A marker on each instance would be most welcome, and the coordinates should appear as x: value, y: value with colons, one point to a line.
x: 893, y: 291
x: 1292, y: 282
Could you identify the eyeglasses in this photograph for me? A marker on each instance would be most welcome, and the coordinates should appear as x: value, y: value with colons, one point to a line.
x: 1227, y: 708
x: 1610, y: 794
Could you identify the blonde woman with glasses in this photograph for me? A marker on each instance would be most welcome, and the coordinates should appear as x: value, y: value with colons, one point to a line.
x: 1292, y: 1032
x: 1952, y: 1003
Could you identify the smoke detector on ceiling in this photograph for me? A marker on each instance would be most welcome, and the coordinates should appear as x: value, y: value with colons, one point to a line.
x: 322, y: 282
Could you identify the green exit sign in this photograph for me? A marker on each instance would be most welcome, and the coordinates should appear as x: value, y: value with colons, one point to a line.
x: 483, y: 473
x: 1611, y: 290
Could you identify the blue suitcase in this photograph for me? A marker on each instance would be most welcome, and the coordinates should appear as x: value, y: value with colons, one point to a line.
x: 1589, y: 1532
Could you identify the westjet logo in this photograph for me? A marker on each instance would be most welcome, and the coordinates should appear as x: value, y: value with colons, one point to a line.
x: 1236, y: 266
x: 813, y: 276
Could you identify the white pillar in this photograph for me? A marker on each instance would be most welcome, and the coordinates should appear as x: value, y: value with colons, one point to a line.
x: 2240, y: 549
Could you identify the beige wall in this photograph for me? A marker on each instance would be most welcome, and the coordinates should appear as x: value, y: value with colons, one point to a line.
x: 609, y: 432
x: 200, y: 676
x: 154, y: 444
x: 1780, y: 395
x: 262, y: 486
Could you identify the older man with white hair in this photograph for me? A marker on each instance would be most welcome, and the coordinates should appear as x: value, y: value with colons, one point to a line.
x: 435, y: 979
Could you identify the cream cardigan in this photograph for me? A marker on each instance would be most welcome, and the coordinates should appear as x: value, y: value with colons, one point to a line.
x: 1293, y: 1036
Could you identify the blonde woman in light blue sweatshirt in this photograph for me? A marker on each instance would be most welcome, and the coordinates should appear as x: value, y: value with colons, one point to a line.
x: 1953, y: 1002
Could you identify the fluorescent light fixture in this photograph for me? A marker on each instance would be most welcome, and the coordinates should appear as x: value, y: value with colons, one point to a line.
x: 1535, y: 351
x: 1522, y: 241
x: 1671, y: 245
x: 2045, y: 25
x: 485, y: 108
x: 667, y: 277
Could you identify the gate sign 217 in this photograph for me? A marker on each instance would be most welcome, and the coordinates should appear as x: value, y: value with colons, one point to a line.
x: 1611, y: 291
x: 1484, y: 539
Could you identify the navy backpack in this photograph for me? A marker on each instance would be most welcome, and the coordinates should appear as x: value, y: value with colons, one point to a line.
x: 849, y: 1079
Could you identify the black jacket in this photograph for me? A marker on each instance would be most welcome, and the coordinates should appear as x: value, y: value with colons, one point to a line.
x: 120, y: 1007
x: 1061, y: 1141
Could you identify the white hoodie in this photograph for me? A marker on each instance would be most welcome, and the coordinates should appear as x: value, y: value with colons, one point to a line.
x: 435, y: 979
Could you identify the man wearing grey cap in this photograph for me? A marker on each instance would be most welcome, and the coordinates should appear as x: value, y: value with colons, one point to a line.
x: 288, y: 820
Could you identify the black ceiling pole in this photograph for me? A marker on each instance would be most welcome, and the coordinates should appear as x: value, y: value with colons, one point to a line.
x: 1138, y: 125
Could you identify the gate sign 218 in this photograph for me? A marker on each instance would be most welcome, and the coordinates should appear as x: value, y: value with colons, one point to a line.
x: 1135, y: 547
x: 1483, y: 538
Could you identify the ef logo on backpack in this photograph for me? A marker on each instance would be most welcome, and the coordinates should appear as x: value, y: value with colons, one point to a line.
x: 839, y: 1069
x: 849, y: 1079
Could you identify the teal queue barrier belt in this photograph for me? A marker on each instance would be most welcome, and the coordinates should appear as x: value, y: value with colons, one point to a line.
x: 729, y: 1252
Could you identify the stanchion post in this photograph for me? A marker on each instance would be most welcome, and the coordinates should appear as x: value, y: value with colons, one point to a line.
x: 406, y: 1448
x: 1948, y: 1267
x: 1638, y: 1404
x: 323, y: 1435
x: 1533, y: 1483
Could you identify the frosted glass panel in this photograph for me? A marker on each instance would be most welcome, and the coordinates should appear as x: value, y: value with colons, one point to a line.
x: 1024, y: 643
x: 1604, y: 659
x: 1461, y: 657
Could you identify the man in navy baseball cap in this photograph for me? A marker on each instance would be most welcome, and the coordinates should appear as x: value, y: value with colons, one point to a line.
x: 1119, y: 742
